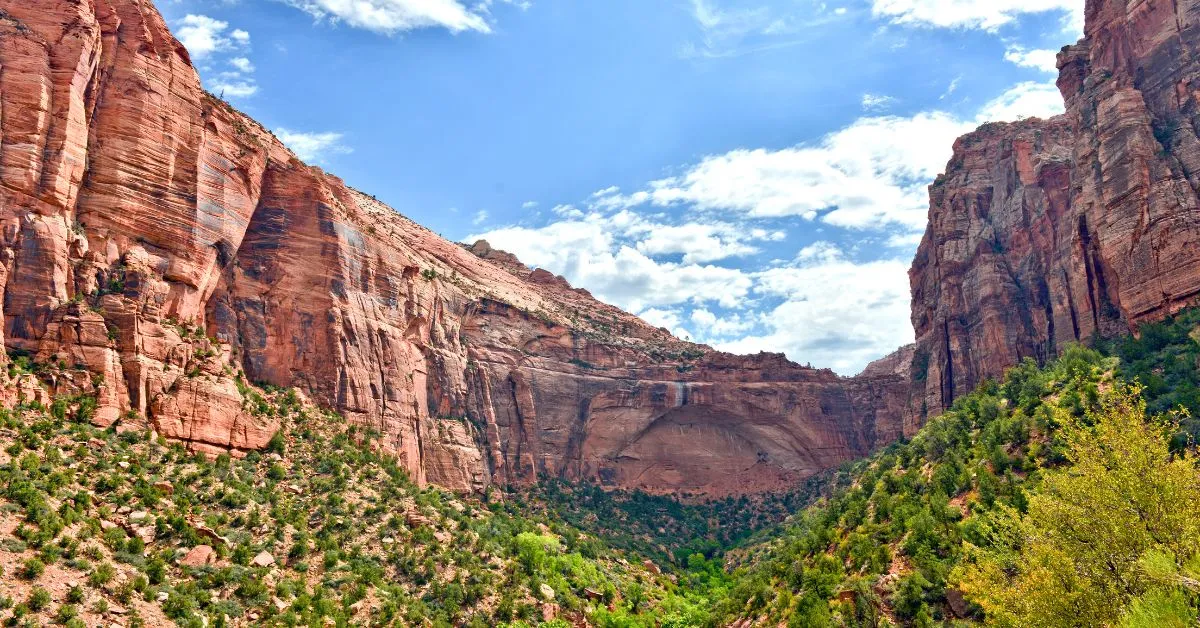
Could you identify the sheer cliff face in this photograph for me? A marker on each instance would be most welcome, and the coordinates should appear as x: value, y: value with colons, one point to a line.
x: 160, y: 249
x: 1043, y: 233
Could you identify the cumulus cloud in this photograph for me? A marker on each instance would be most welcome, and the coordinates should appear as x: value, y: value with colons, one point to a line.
x: 872, y: 173
x: 211, y: 43
x: 987, y: 15
x: 668, y: 319
x: 1025, y: 100
x: 233, y: 86
x: 820, y: 307
x: 601, y: 253
x: 714, y: 328
x: 834, y: 312
x: 394, y: 16
x: 698, y: 243
x: 242, y: 64
x: 203, y: 35
x: 312, y: 146
x: 1044, y: 60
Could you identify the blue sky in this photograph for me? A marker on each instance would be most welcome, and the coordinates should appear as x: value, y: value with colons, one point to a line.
x: 747, y: 174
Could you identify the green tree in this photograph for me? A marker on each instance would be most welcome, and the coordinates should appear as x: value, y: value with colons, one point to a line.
x: 1077, y: 557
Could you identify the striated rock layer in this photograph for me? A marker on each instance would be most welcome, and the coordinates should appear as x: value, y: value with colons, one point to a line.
x: 162, y: 250
x: 1043, y: 233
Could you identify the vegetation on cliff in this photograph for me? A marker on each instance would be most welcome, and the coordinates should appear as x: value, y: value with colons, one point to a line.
x: 98, y: 526
x: 1050, y: 498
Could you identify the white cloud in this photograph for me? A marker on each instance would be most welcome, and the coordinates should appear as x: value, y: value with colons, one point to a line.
x: 876, y: 102
x: 713, y: 327
x: 668, y: 319
x: 242, y: 64
x: 951, y: 88
x: 697, y: 242
x: 987, y: 15
x: 529, y: 205
x: 1044, y: 60
x: 206, y: 37
x: 566, y: 211
x: 312, y: 146
x: 730, y: 28
x: 394, y: 16
x: 481, y: 217
x: 714, y: 19
x: 872, y: 173
x: 905, y: 240
x: 230, y: 87
x: 821, y: 307
x: 203, y: 35
x: 600, y: 252
x: 1025, y: 100
x: 835, y: 312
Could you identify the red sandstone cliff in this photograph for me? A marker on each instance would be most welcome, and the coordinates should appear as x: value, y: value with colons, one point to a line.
x: 1043, y: 233
x: 160, y: 249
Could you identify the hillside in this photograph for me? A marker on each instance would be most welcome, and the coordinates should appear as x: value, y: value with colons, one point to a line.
x: 900, y: 536
x: 99, y: 527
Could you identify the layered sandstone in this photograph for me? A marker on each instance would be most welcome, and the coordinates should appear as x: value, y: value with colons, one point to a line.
x: 163, y: 251
x: 1043, y: 233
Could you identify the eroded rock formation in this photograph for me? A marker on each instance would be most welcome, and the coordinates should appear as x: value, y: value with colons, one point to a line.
x: 1043, y: 233
x: 163, y: 251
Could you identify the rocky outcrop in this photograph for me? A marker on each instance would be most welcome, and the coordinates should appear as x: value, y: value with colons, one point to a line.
x: 1043, y: 233
x: 561, y: 403
x: 113, y: 215
x: 165, y: 253
x: 991, y: 279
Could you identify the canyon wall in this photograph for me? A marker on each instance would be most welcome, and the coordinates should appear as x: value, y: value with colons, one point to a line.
x: 1047, y: 232
x: 166, y: 253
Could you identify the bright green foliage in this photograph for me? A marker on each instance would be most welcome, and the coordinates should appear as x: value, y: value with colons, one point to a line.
x: 1079, y: 555
x: 1165, y: 359
x: 1161, y: 609
x: 908, y: 510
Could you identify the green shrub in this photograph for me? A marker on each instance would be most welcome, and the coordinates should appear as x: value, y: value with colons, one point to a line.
x: 38, y: 600
x: 32, y: 569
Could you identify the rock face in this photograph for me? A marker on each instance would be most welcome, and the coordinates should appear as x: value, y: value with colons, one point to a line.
x: 1043, y: 233
x: 163, y: 251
